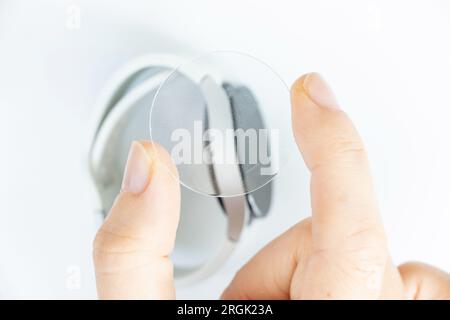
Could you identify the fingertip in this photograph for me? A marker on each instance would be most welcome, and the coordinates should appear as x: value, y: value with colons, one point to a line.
x: 149, y: 202
x: 138, y: 236
x: 315, y: 88
x: 160, y: 155
x: 297, y: 87
x: 137, y: 172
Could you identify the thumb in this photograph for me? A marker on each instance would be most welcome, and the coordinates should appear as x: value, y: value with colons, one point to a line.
x: 132, y: 248
x: 349, y: 256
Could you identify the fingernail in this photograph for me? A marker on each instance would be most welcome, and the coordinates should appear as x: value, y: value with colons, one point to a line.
x: 137, y: 169
x: 319, y: 91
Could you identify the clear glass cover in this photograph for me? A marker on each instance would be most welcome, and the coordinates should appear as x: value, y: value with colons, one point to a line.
x: 225, y: 119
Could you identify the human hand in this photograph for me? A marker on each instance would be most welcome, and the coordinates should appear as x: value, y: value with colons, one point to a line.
x: 341, y: 252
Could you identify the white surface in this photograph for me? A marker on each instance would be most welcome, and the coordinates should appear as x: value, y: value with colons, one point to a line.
x: 387, y: 61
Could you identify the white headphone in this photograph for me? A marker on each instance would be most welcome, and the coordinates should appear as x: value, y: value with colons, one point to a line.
x: 123, y: 115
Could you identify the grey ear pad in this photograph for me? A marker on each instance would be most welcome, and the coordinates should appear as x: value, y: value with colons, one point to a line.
x: 247, y: 115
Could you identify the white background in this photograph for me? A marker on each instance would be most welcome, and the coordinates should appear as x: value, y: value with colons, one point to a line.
x: 388, y: 61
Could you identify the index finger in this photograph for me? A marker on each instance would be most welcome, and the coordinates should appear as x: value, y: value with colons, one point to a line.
x: 348, y: 241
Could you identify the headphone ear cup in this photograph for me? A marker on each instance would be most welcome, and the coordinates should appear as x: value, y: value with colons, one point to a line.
x: 125, y: 121
x: 247, y: 116
x: 124, y: 115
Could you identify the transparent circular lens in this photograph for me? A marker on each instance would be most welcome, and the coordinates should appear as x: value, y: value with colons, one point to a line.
x: 224, y: 118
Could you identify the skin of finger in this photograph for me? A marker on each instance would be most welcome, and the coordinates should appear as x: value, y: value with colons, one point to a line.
x: 268, y: 275
x: 425, y: 282
x: 349, y: 254
x: 278, y: 271
x: 342, y: 196
x: 315, y: 281
x: 131, y: 248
